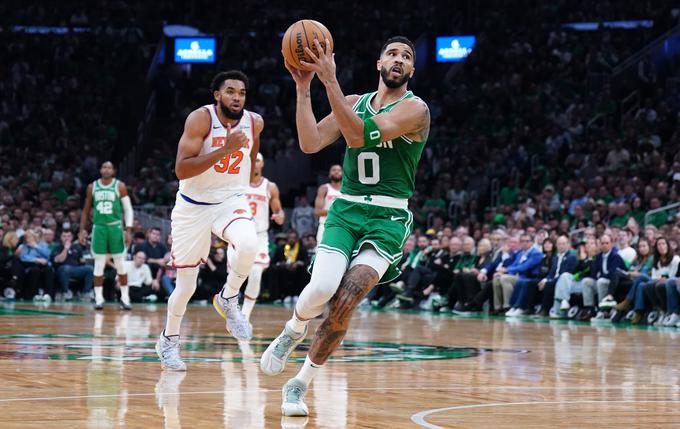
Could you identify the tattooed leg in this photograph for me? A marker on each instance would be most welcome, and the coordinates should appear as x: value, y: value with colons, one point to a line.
x: 355, y: 285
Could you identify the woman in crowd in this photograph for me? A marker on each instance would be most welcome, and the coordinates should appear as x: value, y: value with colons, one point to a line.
x: 664, y: 267
x: 467, y: 285
x: 632, y: 279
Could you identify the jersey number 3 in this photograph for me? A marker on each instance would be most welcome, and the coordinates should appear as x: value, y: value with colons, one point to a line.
x: 230, y: 163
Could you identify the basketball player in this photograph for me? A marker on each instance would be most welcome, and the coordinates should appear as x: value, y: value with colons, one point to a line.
x: 104, y: 198
x: 368, y: 224
x: 325, y: 196
x: 214, y: 164
x: 261, y: 195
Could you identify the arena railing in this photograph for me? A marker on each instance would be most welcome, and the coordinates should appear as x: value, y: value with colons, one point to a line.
x: 666, y: 208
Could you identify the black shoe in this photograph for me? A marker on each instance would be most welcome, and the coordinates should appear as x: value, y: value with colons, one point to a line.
x: 125, y: 307
x: 585, y: 315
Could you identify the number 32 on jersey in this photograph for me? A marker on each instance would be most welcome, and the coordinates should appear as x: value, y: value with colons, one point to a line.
x: 230, y: 163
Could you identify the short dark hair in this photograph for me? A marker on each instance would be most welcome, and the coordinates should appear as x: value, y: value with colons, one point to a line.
x: 399, y: 39
x: 220, y: 77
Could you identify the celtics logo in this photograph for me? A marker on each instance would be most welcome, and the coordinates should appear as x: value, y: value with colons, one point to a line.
x: 211, y: 348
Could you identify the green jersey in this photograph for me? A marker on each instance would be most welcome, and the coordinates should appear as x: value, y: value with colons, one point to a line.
x: 388, y: 169
x: 106, y: 205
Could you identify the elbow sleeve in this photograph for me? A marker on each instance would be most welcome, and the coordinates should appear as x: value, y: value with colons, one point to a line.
x: 128, y: 213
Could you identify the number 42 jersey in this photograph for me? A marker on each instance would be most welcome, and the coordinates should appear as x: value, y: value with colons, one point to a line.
x: 388, y: 169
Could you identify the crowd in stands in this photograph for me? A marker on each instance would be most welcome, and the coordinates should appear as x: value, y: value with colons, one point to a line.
x: 517, y: 113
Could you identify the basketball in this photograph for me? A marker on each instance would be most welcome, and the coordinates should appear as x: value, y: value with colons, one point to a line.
x: 300, y: 35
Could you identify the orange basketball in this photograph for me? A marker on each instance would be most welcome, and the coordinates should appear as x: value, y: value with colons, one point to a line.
x: 301, y: 35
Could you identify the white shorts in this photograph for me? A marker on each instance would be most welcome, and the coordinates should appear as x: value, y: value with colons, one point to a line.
x: 262, y: 257
x: 192, y: 225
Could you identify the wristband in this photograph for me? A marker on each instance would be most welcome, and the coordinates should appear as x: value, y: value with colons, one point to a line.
x: 372, y: 135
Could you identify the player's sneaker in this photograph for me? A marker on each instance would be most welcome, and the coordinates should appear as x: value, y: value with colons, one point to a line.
x: 273, y: 360
x: 293, y: 404
x: 125, y: 306
x: 237, y: 324
x: 167, y: 349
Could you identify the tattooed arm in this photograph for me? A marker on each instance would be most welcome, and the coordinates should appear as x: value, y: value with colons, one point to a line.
x: 356, y: 283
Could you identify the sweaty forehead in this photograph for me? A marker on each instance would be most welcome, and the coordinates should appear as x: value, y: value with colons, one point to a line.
x: 398, y: 46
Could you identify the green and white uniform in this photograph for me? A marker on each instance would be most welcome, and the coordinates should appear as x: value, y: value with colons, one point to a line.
x: 376, y: 185
x: 107, y: 225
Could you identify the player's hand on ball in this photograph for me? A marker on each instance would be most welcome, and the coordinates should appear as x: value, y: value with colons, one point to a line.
x: 278, y: 218
x: 235, y: 140
x: 323, y: 64
x: 301, y: 77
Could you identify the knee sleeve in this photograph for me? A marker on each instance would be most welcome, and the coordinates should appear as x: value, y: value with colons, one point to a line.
x: 254, y: 281
x: 243, y: 237
x: 119, y: 263
x: 99, y: 264
x: 372, y: 258
x: 184, y: 288
x: 329, y: 267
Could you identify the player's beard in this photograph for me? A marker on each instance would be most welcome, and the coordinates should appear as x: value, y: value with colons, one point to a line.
x: 392, y: 83
x: 230, y: 113
x: 335, y: 179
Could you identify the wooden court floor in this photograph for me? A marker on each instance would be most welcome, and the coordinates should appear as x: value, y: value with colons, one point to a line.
x: 67, y: 366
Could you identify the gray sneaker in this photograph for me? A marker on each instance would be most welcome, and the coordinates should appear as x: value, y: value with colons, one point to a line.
x: 273, y: 360
x: 167, y: 349
x: 293, y: 404
x: 671, y: 320
x: 237, y: 324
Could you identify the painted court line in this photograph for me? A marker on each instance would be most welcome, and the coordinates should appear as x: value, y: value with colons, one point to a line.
x: 419, y: 418
x: 372, y: 389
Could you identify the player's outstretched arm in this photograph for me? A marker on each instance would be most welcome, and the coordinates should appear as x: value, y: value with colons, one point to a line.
x: 319, y: 201
x: 85, y: 215
x: 278, y: 215
x: 259, y: 126
x: 197, y: 126
x: 312, y: 136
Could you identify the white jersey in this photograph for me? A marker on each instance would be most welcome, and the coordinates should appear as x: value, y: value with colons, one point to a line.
x: 331, y: 195
x: 228, y: 176
x: 258, y: 199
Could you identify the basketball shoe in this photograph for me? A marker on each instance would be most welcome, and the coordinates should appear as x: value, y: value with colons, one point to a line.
x: 293, y: 394
x: 167, y: 349
x: 237, y: 324
x: 274, y: 359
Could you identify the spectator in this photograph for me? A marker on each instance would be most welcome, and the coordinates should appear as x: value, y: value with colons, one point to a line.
x: 422, y: 276
x: 69, y: 258
x: 623, y: 282
x: 606, y: 264
x: 466, y: 283
x: 568, y: 284
x: 524, y: 268
x: 665, y: 266
x: 289, y: 269
x: 142, y: 284
x: 303, y: 220
x: 213, y: 275
x: 39, y: 275
x: 462, y: 265
x: 563, y: 262
x: 167, y: 275
x: 155, y: 251
x: 626, y: 252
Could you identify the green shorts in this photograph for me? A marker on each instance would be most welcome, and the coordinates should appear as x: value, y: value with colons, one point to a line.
x: 351, y: 226
x: 108, y: 239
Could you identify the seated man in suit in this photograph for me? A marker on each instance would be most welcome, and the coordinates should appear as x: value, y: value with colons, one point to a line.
x: 563, y: 262
x: 524, y: 268
x: 606, y: 264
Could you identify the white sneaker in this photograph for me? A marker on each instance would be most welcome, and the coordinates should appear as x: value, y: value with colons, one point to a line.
x: 660, y: 320
x: 555, y: 314
x: 512, y: 312
x: 68, y: 295
x: 167, y: 349
x: 293, y: 403
x: 564, y: 305
x: 237, y: 324
x: 599, y: 317
x: 607, y: 303
x: 671, y: 320
x: 273, y: 360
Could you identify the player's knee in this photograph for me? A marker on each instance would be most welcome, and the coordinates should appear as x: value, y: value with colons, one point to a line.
x: 354, y: 286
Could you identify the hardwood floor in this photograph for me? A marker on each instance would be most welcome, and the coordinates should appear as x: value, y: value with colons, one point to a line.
x: 67, y: 366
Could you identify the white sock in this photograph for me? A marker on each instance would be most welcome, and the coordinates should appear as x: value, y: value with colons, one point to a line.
x: 308, y: 371
x: 125, y: 294
x: 177, y: 303
x: 296, y: 325
x: 98, y: 294
x: 233, y: 285
x: 247, y: 308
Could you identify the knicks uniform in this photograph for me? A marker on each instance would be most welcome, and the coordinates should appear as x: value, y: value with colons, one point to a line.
x: 258, y: 200
x: 331, y: 195
x: 376, y: 185
x: 210, y: 202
